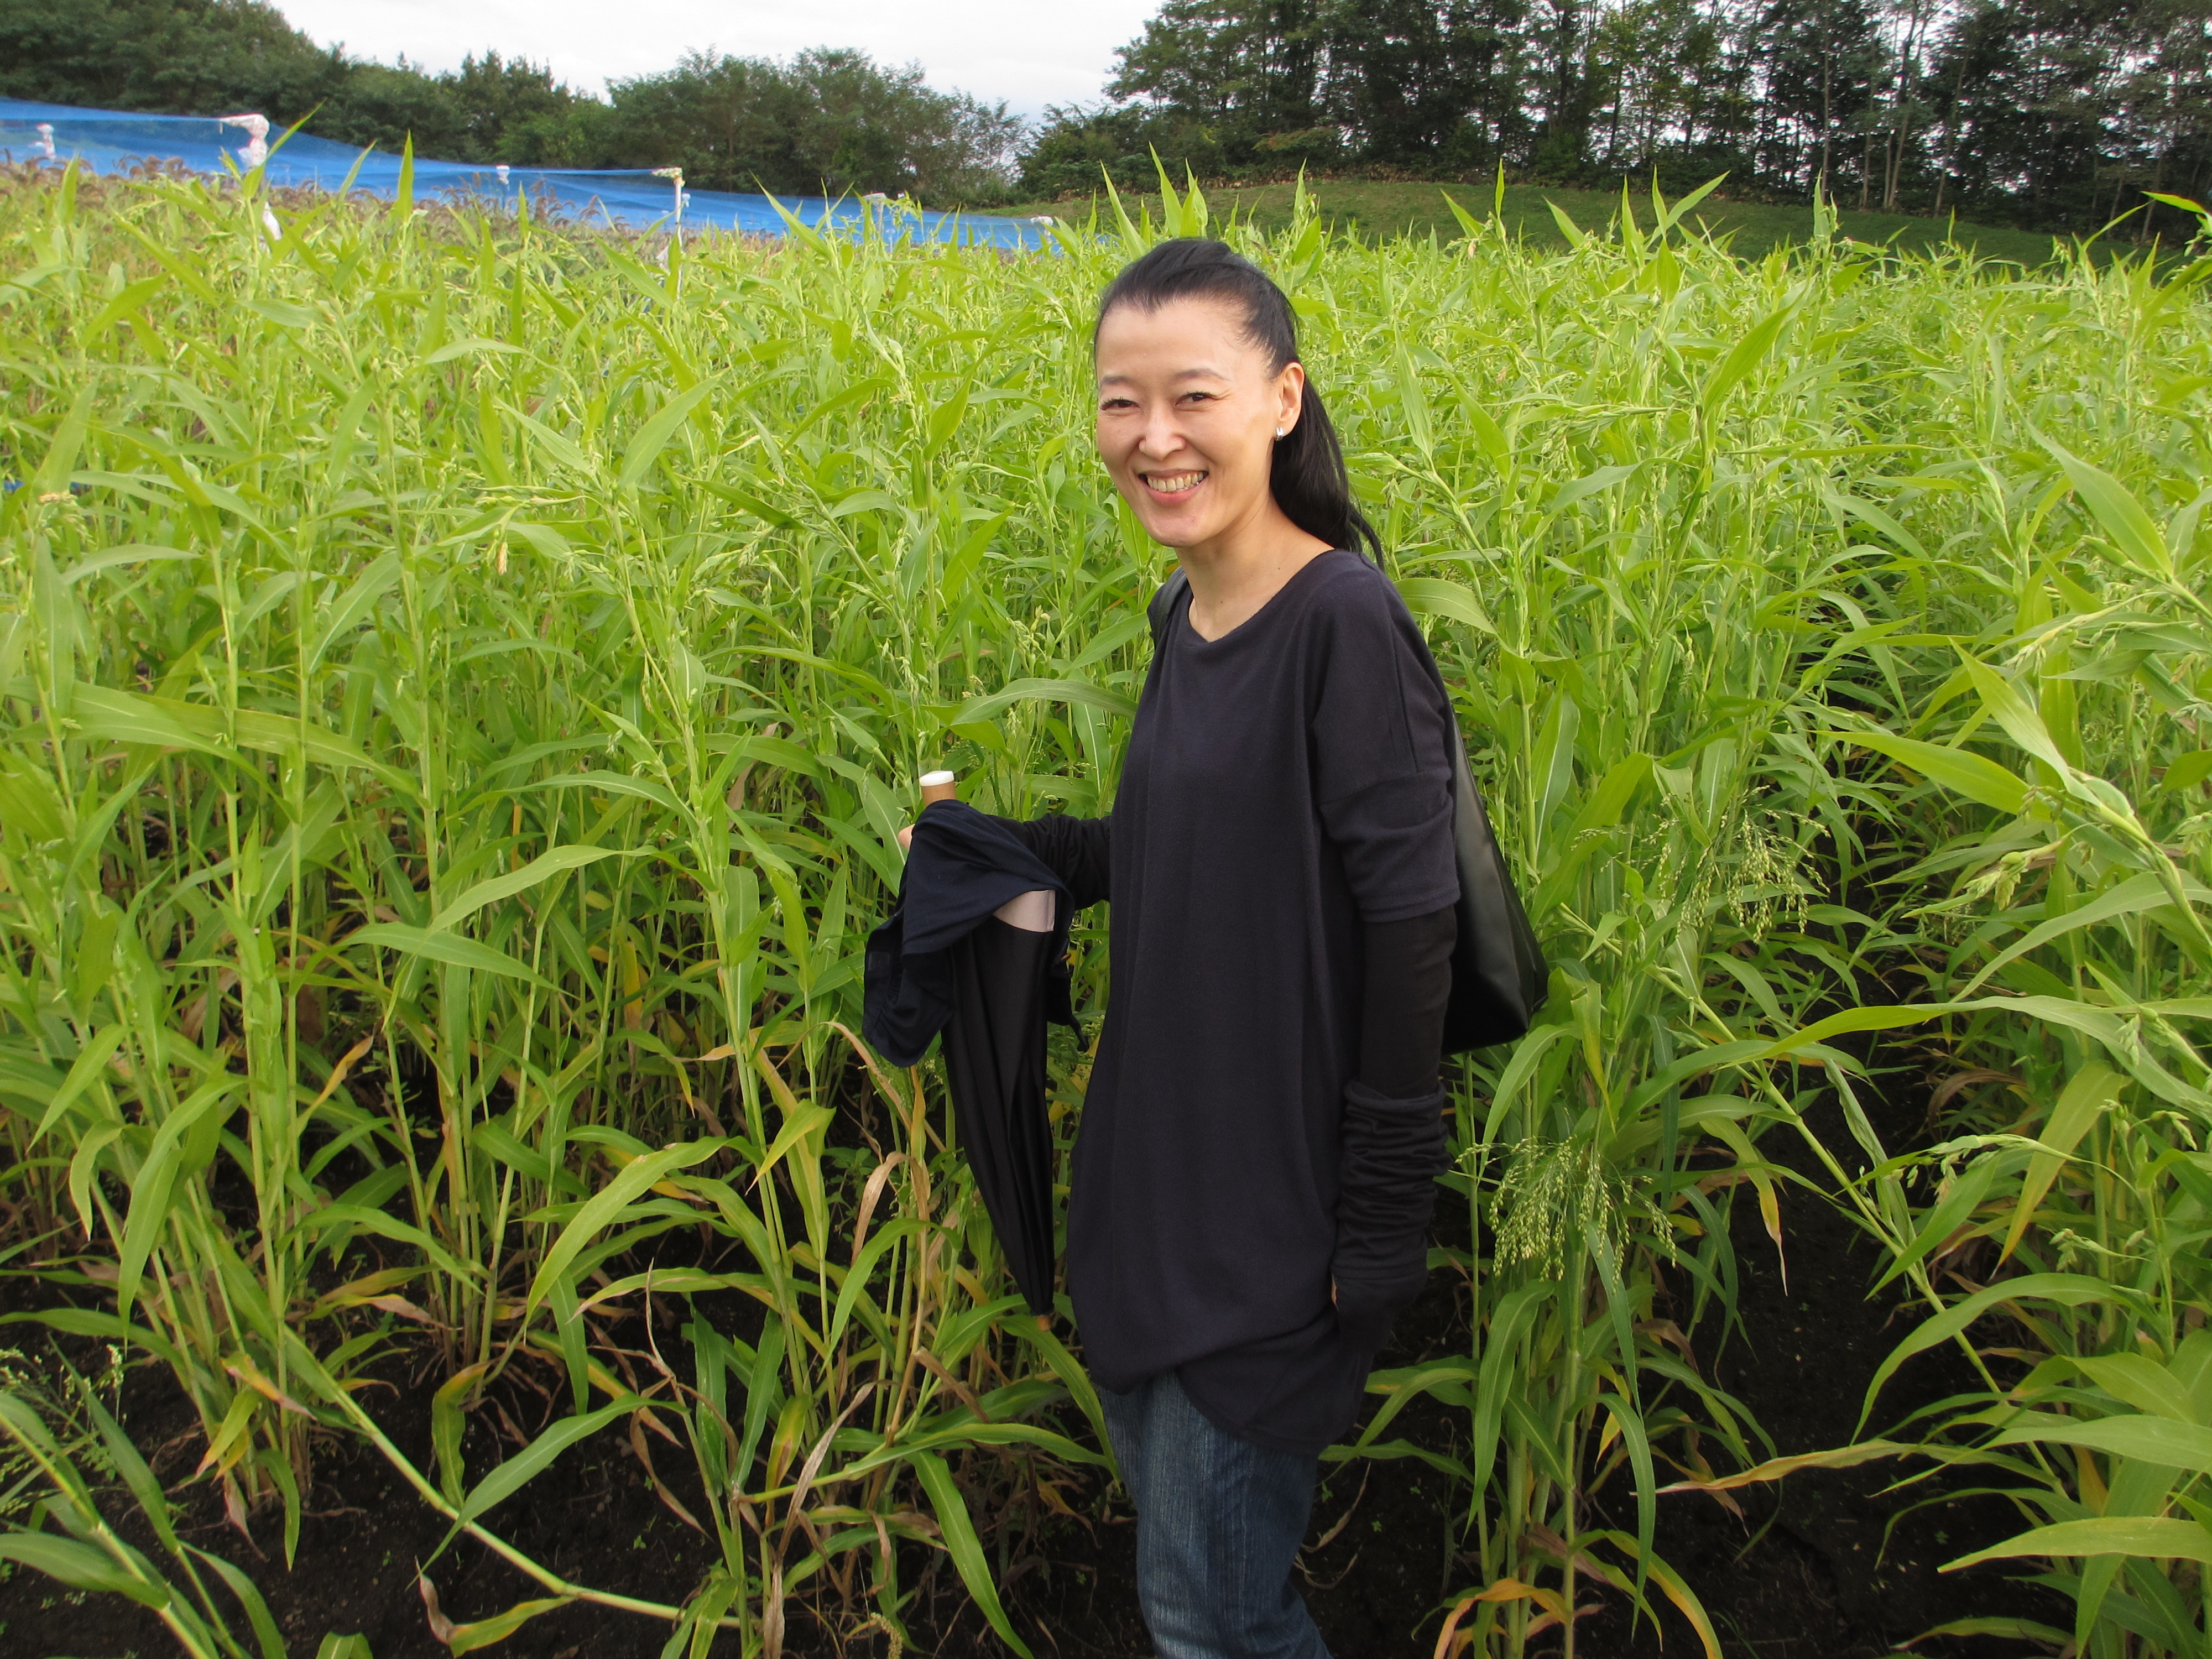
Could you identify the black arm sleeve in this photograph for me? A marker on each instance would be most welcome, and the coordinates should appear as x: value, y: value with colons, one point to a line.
x: 1392, y: 1142
x: 1076, y: 850
x: 1401, y: 1027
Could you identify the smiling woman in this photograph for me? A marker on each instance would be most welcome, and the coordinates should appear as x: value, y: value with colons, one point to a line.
x: 1280, y: 863
x: 1210, y: 430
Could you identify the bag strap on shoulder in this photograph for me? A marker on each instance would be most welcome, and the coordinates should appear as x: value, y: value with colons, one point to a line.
x: 1164, y: 603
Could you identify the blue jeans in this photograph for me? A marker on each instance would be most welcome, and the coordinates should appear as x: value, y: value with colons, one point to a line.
x: 1219, y: 1525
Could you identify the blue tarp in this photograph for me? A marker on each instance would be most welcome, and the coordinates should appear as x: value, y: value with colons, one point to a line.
x: 115, y: 140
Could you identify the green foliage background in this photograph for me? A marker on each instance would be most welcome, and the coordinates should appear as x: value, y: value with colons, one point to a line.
x: 463, y: 683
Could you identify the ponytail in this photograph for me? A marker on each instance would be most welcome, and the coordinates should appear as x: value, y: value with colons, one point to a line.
x: 1307, y: 475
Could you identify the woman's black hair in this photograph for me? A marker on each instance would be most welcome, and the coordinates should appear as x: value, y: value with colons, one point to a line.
x: 1307, y: 474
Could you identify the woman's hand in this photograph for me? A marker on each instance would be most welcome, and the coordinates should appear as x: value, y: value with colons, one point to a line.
x: 906, y: 838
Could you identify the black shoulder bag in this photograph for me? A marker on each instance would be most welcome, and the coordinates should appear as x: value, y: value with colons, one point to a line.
x: 1499, y: 976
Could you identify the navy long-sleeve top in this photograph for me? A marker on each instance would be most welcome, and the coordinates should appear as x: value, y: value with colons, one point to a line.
x: 1263, y: 1117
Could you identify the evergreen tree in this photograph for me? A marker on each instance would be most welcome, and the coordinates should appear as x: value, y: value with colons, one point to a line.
x: 2034, y: 91
x: 1249, y: 68
x: 1411, y: 80
x: 2168, y: 109
x: 1077, y: 143
x: 1821, y: 61
x: 1560, y: 87
x: 1672, y: 84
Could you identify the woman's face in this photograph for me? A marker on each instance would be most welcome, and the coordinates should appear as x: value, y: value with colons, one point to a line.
x: 1187, y: 414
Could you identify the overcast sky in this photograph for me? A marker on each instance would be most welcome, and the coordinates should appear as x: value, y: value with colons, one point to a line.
x: 1029, y: 52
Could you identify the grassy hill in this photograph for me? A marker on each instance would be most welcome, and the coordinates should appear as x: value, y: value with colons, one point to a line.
x: 1378, y: 209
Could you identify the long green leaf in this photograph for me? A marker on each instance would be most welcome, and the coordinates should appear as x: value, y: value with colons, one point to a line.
x: 1743, y: 357
x: 544, y: 866
x: 437, y: 945
x: 81, y: 1567
x: 2185, y: 1446
x: 958, y: 1532
x: 652, y: 437
x: 1432, y: 596
x: 2133, y: 531
x: 1975, y: 776
x: 2067, y: 1290
x: 2162, y: 1540
x: 533, y: 1460
x: 484, y: 1632
x: 97, y: 1050
x: 359, y: 599
x: 609, y: 1202
x: 1081, y: 692
x: 156, y: 1175
x: 2131, y: 898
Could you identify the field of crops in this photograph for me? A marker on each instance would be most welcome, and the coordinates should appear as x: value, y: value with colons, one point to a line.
x: 462, y: 681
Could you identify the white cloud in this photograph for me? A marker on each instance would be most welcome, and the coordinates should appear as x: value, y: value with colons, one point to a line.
x: 1029, y: 54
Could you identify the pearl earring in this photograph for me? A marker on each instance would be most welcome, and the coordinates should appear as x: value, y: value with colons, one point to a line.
x: 1281, y: 431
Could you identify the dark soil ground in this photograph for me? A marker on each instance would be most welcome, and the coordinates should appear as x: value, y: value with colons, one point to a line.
x: 1804, y: 1572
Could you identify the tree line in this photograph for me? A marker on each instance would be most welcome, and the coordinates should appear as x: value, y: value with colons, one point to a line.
x: 825, y: 121
x: 2055, y: 114
x: 2052, y: 113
